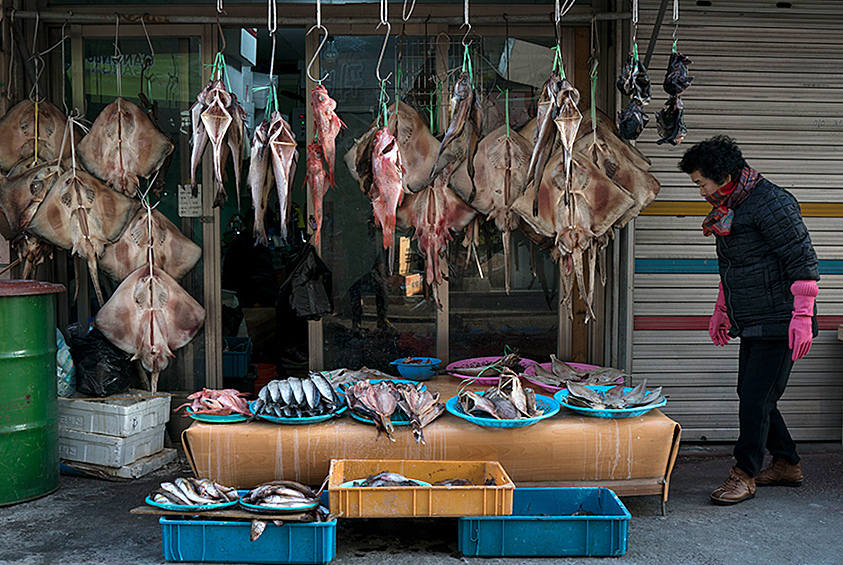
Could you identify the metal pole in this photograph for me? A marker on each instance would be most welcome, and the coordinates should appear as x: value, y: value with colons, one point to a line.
x: 72, y: 17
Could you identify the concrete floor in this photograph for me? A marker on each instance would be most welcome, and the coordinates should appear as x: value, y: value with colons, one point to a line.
x: 88, y: 521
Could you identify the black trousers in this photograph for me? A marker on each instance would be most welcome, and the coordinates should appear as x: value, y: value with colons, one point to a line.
x: 763, y: 371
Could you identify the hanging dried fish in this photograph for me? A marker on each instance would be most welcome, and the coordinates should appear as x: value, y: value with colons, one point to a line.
x: 318, y: 180
x: 634, y: 80
x: 17, y: 130
x: 326, y: 126
x: 122, y: 145
x: 284, y: 154
x: 632, y: 120
x: 387, y: 173
x: 671, y: 122
x: 259, y: 180
x: 677, y: 79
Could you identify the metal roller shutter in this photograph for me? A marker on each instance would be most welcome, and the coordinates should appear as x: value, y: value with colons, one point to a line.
x: 770, y: 76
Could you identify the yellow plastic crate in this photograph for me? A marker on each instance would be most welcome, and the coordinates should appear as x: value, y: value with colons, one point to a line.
x: 414, y: 502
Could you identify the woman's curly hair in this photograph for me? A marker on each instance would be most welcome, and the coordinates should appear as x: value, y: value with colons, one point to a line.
x: 715, y: 159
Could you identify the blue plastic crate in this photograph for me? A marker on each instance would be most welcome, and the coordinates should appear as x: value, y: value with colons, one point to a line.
x: 207, y: 541
x: 235, y: 356
x: 542, y: 525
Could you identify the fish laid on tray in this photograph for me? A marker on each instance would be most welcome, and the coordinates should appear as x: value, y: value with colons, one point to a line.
x: 284, y: 497
x: 614, y: 398
x: 506, y: 401
x: 386, y: 479
x: 561, y: 373
x: 348, y: 376
x: 192, y: 492
x: 511, y: 362
x: 379, y: 401
x: 297, y: 398
x: 222, y: 402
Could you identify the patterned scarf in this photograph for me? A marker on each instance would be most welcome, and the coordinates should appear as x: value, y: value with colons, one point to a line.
x: 719, y: 220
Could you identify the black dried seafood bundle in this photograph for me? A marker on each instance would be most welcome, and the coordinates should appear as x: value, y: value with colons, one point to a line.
x: 632, y: 120
x: 677, y: 79
x: 671, y: 122
x: 634, y: 80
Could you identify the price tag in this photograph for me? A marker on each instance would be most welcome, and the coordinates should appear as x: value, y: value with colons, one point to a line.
x: 190, y: 206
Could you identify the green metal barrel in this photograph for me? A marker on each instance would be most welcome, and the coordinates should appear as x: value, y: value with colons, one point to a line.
x: 29, y: 432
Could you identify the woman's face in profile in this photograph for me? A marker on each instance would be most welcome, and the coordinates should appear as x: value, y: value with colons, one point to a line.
x: 708, y: 186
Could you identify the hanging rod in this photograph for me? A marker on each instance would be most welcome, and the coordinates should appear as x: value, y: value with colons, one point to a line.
x: 258, y: 21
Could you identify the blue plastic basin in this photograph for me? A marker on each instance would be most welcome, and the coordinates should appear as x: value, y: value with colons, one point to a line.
x: 421, y: 371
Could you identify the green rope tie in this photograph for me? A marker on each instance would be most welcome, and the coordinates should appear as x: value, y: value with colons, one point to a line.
x: 674, y: 47
x: 635, y: 51
x: 398, y: 76
x: 383, y: 99
x: 271, y: 99
x: 218, y: 70
x: 593, y: 79
x: 466, y: 63
x: 557, y: 61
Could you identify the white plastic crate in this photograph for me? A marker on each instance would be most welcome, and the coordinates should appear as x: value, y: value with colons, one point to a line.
x: 110, y: 451
x: 120, y: 417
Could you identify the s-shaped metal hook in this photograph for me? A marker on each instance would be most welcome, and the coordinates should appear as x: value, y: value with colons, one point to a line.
x: 383, y: 49
x: 318, y: 51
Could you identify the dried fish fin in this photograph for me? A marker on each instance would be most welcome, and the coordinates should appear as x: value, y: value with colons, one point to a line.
x: 217, y: 119
x: 234, y: 140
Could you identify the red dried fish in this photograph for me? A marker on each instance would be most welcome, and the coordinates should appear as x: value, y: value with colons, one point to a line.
x: 387, y: 174
x: 326, y: 125
x: 317, y: 178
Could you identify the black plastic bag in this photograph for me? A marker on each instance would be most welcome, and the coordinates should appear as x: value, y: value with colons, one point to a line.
x: 101, y: 368
x: 308, y: 291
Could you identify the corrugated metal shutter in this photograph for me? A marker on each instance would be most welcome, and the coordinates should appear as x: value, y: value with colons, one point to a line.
x: 771, y: 77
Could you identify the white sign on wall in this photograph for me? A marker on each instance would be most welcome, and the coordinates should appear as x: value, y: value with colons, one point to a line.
x: 190, y: 206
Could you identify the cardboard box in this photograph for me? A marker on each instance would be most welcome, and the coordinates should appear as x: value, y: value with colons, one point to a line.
x: 632, y: 456
x: 413, y: 284
x: 130, y: 413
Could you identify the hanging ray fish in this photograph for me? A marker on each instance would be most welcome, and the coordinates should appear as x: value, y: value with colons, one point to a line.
x: 150, y: 316
x: 23, y: 190
x: 326, y: 125
x: 416, y: 144
x: 465, y: 124
x: 122, y: 145
x: 501, y: 167
x: 434, y: 213
x: 284, y: 154
x: 17, y: 130
x: 172, y: 251
x: 318, y: 181
x: 671, y: 122
x: 81, y: 214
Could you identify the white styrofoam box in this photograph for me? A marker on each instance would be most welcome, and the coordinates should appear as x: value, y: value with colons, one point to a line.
x: 134, y: 470
x: 120, y: 417
x: 110, y: 451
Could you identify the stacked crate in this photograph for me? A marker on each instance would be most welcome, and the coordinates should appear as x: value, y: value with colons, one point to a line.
x: 121, y: 437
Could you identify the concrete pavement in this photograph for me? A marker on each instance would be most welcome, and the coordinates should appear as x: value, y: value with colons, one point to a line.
x: 88, y: 521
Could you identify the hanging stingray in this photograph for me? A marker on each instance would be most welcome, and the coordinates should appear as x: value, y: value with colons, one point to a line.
x: 149, y: 316
x: 172, y: 251
x: 17, y: 132
x: 81, y: 214
x: 122, y: 145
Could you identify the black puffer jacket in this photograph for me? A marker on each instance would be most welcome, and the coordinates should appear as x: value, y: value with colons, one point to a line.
x: 767, y: 249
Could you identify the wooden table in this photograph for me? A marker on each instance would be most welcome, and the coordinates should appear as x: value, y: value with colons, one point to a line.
x: 632, y: 456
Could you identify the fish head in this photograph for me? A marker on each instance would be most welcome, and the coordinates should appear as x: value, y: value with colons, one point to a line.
x: 321, y: 101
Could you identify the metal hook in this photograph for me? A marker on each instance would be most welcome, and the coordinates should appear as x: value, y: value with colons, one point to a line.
x: 383, y: 49
x: 148, y: 41
x: 318, y: 51
x: 405, y: 15
x: 222, y: 35
x: 464, y: 44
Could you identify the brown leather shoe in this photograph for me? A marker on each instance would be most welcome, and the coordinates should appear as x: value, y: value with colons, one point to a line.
x: 780, y: 473
x: 737, y: 488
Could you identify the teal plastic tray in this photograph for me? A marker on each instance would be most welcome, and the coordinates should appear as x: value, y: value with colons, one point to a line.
x: 542, y: 524
x: 545, y: 403
x: 562, y: 398
x: 208, y: 541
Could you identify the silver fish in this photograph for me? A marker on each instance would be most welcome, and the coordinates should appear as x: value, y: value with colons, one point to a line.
x: 286, y: 392
x: 311, y: 393
x: 258, y: 526
x: 298, y: 390
x: 274, y: 390
x: 325, y: 388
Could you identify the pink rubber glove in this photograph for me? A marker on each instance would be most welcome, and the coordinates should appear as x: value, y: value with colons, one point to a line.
x: 799, y: 334
x: 719, y: 323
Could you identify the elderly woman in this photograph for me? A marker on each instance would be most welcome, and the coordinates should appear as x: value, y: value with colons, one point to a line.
x: 768, y: 283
